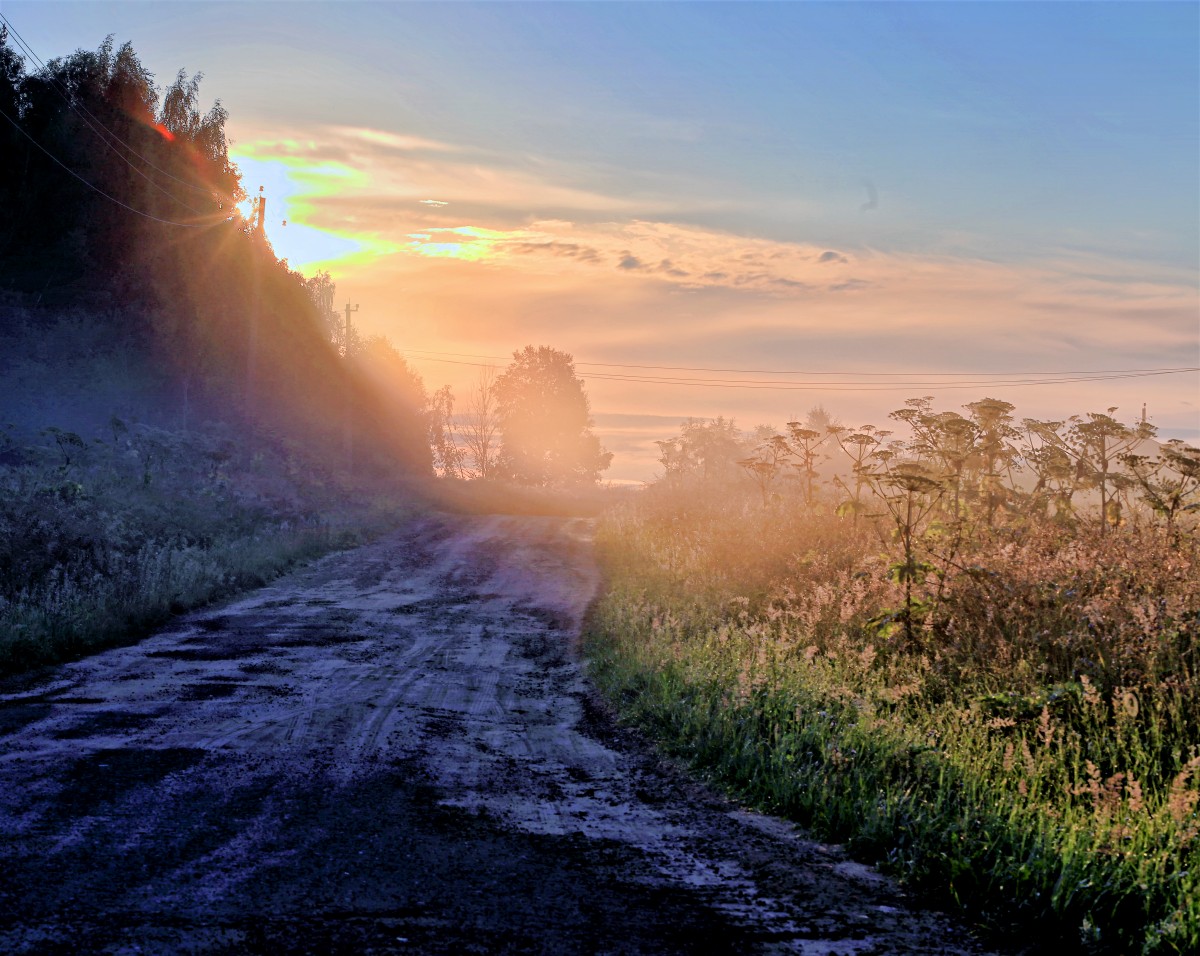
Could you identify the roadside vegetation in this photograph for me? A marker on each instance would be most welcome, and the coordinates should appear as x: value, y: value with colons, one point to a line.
x: 970, y: 654
x: 103, y: 538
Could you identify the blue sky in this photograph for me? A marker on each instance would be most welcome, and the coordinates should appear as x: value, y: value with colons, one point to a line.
x: 1036, y: 168
x: 1024, y: 125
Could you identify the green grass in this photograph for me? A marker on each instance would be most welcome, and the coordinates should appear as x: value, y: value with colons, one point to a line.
x: 1050, y: 796
x: 102, y: 541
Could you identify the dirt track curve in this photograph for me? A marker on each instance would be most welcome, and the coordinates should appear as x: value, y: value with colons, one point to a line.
x: 394, y: 750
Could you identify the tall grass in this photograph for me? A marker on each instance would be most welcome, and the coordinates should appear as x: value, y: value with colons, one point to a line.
x: 1029, y: 748
x: 101, y: 540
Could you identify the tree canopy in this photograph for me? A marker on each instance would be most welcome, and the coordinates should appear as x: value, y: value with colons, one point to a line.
x: 545, y: 421
x: 95, y: 167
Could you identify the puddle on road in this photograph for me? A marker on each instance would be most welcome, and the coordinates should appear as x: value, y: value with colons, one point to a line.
x: 104, y: 775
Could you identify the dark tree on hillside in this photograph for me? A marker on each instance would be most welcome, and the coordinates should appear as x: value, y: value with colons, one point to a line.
x: 12, y: 152
x: 545, y: 422
x: 403, y: 394
x: 96, y: 178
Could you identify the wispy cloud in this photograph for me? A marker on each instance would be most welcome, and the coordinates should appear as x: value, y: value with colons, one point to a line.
x: 394, y: 142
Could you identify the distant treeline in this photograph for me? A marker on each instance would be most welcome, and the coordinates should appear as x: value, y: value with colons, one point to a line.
x: 119, y: 206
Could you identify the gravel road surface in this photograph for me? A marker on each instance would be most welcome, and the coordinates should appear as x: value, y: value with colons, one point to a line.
x: 395, y: 750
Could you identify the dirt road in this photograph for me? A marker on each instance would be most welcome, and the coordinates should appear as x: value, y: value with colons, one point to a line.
x: 394, y: 750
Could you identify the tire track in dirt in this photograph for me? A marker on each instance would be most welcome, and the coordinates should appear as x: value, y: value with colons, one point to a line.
x: 394, y: 750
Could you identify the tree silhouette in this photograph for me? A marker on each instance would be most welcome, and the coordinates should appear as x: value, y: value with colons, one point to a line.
x: 321, y: 289
x: 443, y: 434
x: 545, y: 422
x: 482, y: 426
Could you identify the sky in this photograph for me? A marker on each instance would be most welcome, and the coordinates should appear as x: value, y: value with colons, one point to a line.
x: 837, y: 204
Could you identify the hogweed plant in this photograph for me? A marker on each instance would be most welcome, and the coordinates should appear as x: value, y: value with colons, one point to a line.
x: 970, y: 653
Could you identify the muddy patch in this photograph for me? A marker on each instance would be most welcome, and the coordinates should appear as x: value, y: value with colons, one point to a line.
x: 263, y: 667
x: 105, y: 722
x: 13, y: 717
x: 104, y: 775
x: 203, y: 652
x: 209, y: 691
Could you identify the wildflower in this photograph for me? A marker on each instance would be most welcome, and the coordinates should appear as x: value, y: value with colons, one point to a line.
x: 1133, y: 795
x: 1046, y: 728
x: 1125, y: 703
x: 1182, y: 799
x: 1093, y: 786
x: 1027, y: 757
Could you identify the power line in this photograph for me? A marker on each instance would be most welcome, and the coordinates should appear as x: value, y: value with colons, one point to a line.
x: 873, y: 386
x: 978, y: 377
x: 100, y: 130
x: 849, y: 386
x: 97, y: 127
x: 29, y: 49
x: 145, y: 215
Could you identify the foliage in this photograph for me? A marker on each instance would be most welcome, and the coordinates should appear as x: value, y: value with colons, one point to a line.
x: 320, y: 288
x: 98, y: 113
x: 544, y: 421
x: 706, y: 450
x: 1169, y: 482
x: 405, y: 409
x: 447, y: 455
x: 995, y: 700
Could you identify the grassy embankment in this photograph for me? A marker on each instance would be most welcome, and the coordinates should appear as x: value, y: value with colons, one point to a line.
x: 101, y: 540
x: 1018, y: 732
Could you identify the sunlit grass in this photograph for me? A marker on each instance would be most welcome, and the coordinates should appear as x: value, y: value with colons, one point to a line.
x: 1033, y: 756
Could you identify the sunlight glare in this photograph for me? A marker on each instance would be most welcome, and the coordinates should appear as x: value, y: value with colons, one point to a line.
x: 290, y: 185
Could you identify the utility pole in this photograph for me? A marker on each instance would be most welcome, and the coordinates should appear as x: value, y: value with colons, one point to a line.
x: 262, y: 212
x: 348, y: 311
x: 255, y: 309
x: 348, y: 420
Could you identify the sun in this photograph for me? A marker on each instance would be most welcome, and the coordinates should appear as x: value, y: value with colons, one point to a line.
x: 291, y: 188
